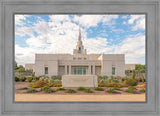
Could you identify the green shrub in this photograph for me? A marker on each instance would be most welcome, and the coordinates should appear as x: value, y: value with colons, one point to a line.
x: 115, y: 88
x: 17, y: 79
x: 70, y: 91
x: 80, y: 88
x: 113, y: 84
x: 123, y: 79
x: 101, y: 84
x: 29, y: 79
x: 48, y: 90
x: 140, y: 79
x: 111, y: 91
x: 99, y: 89
x: 88, y: 91
x: 23, y: 88
x: 60, y: 89
x: 44, y: 78
x: 142, y: 90
x: 22, y: 79
x: 44, y: 88
x: 36, y: 78
x: 59, y: 77
x: 131, y: 82
x: 131, y: 90
x: 32, y: 91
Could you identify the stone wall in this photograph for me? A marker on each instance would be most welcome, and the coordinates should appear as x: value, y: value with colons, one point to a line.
x: 79, y: 81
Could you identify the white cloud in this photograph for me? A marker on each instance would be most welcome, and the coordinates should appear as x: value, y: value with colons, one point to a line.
x: 96, y: 45
x: 41, y: 27
x: 138, y: 20
x: 19, y: 19
x: 133, y: 47
x: 140, y: 24
x: 23, y: 31
x: 93, y: 20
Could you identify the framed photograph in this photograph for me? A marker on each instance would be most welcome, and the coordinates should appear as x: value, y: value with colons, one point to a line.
x: 79, y: 57
x: 102, y: 60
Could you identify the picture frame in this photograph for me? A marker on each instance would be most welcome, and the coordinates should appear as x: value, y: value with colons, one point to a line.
x: 11, y: 7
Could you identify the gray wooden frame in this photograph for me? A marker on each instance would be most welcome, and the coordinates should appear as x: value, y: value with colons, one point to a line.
x: 10, y: 7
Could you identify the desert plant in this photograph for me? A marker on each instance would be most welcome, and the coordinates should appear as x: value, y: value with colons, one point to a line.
x: 16, y: 79
x: 111, y: 90
x: 88, y: 91
x: 41, y: 83
x: 29, y: 79
x: 99, y: 89
x: 142, y: 90
x: 48, y: 90
x: 22, y: 79
x: 43, y: 88
x: 23, y: 88
x: 36, y: 78
x: 57, y: 84
x: 70, y: 91
x: 59, y: 77
x: 80, y: 88
x: 133, y: 74
x: 60, y: 89
x: 131, y: 89
x: 131, y: 82
x: 115, y: 88
x: 34, y: 86
x: 32, y: 90
x: 114, y: 84
x: 101, y: 84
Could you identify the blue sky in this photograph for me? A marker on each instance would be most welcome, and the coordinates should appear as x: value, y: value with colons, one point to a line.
x: 108, y: 34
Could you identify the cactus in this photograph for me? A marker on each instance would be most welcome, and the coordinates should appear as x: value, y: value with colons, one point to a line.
x: 133, y: 74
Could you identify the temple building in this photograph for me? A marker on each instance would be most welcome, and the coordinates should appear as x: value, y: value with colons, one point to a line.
x: 78, y: 63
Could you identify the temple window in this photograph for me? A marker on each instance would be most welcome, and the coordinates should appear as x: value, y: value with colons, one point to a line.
x: 79, y: 50
x: 113, y: 70
x: 46, y: 70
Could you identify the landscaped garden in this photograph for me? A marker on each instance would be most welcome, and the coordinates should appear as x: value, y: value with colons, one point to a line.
x: 53, y: 85
x: 106, y: 85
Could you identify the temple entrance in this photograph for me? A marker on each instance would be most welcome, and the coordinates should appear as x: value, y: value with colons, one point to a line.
x: 79, y: 71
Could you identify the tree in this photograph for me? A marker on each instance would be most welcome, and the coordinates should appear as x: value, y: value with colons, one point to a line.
x: 21, y: 68
x: 140, y: 68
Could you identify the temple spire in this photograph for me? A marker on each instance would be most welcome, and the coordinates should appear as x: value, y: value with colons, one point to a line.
x: 79, y: 47
x: 79, y: 38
